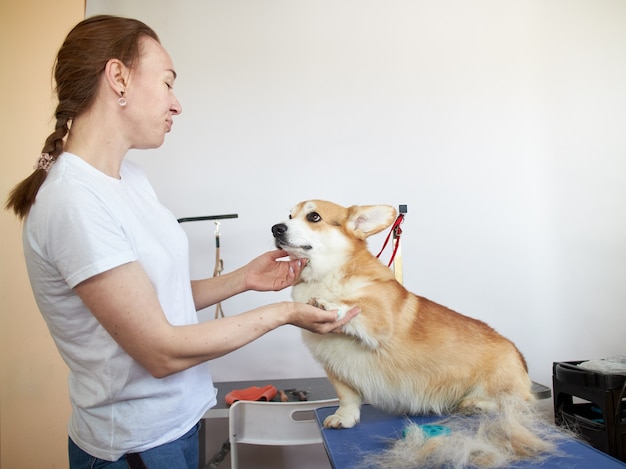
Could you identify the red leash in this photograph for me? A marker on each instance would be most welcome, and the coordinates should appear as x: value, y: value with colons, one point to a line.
x: 396, y: 231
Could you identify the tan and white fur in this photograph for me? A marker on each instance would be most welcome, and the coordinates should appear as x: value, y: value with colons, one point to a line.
x: 404, y: 353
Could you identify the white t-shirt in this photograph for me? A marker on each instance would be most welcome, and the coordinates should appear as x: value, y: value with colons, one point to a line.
x: 84, y: 223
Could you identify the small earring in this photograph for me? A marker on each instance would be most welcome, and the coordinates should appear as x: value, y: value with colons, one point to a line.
x: 122, y: 100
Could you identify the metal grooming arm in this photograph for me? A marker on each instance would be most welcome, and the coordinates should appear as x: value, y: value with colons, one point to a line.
x: 219, y: 264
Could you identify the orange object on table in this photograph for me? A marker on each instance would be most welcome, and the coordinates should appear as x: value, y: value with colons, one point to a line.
x: 253, y: 393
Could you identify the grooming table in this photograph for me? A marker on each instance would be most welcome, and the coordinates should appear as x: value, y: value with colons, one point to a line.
x: 376, y: 428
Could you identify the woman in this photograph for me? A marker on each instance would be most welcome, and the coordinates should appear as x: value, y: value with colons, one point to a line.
x: 109, y: 265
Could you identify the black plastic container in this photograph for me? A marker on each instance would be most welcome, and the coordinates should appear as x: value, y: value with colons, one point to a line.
x: 601, y: 418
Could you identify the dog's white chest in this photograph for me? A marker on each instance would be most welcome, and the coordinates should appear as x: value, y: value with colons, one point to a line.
x: 327, y: 291
x: 332, y: 294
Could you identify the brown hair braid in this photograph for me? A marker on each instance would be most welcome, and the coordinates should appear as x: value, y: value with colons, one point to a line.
x: 78, y: 67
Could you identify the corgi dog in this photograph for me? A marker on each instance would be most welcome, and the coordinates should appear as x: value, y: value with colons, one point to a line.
x: 404, y: 353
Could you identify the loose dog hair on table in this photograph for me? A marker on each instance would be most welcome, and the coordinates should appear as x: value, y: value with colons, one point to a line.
x: 406, y: 354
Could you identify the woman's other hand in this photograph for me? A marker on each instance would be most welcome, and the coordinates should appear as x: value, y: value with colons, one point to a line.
x: 268, y: 273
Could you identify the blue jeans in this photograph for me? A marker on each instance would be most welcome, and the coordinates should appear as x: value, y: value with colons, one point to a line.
x: 179, y: 454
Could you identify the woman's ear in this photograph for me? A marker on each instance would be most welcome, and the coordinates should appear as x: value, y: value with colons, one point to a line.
x: 116, y: 74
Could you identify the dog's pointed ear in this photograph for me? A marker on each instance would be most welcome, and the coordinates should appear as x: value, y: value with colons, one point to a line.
x: 368, y: 220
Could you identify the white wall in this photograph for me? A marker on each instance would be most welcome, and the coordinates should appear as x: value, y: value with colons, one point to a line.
x: 499, y: 123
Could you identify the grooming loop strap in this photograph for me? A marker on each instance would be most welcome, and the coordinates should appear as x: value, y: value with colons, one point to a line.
x: 396, y: 231
x: 219, y: 266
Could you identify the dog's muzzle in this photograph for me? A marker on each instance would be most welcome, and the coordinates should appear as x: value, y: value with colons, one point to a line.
x: 281, y: 239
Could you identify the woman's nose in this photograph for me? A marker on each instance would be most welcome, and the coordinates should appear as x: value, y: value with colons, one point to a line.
x: 176, y: 107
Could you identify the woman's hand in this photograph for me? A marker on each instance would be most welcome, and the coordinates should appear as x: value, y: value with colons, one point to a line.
x: 319, y: 320
x: 268, y: 273
x: 264, y: 273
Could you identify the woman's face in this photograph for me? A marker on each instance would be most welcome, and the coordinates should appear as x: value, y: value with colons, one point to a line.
x: 150, y: 96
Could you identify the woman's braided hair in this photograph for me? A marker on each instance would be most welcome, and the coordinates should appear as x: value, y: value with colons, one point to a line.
x: 78, y: 67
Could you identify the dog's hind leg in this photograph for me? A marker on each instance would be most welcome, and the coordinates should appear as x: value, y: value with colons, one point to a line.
x: 349, y: 412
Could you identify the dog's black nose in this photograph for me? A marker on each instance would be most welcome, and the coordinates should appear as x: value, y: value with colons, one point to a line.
x: 279, y: 229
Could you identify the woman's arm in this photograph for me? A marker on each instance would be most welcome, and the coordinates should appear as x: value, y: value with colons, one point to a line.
x: 264, y: 273
x: 125, y: 303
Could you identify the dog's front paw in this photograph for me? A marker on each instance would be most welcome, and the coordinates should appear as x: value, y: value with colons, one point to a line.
x: 341, y: 308
x: 474, y: 406
x: 317, y: 304
x: 342, y: 419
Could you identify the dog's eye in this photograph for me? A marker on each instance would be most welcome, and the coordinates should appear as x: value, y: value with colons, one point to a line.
x: 313, y: 217
x: 290, y: 216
